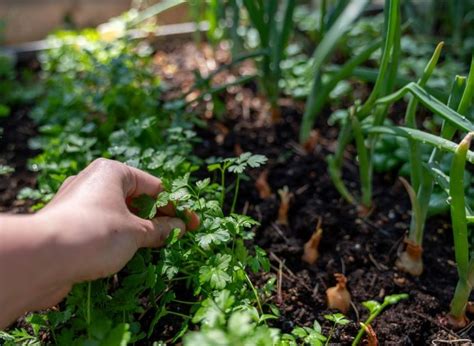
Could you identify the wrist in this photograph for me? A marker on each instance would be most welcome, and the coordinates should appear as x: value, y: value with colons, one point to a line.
x: 28, y: 258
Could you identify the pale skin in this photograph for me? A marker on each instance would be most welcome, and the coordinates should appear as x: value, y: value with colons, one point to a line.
x: 84, y: 233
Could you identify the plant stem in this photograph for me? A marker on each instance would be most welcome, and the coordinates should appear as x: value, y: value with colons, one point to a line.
x: 322, y: 17
x: 236, y: 193
x: 364, y: 165
x: 369, y: 320
x: 223, y: 187
x: 392, y: 28
x: 460, y: 298
x: 178, y: 314
x: 254, y: 292
x: 459, y: 224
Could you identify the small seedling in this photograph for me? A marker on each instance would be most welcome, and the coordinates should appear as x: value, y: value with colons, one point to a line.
x: 338, y: 320
x: 375, y: 308
x: 338, y: 297
x: 309, y: 336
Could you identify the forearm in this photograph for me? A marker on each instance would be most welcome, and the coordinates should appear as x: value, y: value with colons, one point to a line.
x: 28, y: 267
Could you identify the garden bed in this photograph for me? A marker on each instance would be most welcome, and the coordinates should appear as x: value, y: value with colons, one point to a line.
x: 364, y: 249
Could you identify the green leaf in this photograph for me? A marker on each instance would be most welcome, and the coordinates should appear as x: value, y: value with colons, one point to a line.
x: 338, y: 319
x: 162, y: 200
x: 213, y: 309
x: 395, y: 298
x: 255, y: 161
x: 218, y: 237
x: 4, y: 110
x: 145, y: 205
x: 119, y: 336
x: 320, y: 55
x: 299, y: 332
x: 216, y: 274
x: 173, y: 237
x: 432, y: 103
x: 372, y: 305
x: 202, y: 184
x: 422, y: 137
x: 4, y: 170
x: 181, y: 195
x: 240, y: 323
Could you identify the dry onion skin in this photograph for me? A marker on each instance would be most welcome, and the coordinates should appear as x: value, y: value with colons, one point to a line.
x: 338, y: 297
x: 410, y: 260
x: 285, y: 197
x: 457, y: 322
x: 312, y: 141
x: 262, y: 186
x: 311, y: 247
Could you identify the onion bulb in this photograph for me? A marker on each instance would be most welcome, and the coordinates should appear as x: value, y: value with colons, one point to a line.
x: 285, y: 197
x: 261, y: 184
x: 410, y: 260
x: 338, y: 297
x: 311, y: 247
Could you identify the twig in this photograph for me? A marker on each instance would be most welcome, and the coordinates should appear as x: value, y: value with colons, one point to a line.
x: 380, y: 267
x: 279, y: 284
x: 276, y: 258
x: 354, y: 307
x: 279, y: 231
x: 286, y: 276
x: 467, y: 328
x: 298, y: 149
x: 246, y: 208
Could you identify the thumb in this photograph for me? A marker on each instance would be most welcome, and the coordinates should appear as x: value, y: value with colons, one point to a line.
x: 153, y: 233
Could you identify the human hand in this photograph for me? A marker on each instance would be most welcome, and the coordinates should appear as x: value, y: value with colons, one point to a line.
x: 86, y: 232
x: 98, y: 234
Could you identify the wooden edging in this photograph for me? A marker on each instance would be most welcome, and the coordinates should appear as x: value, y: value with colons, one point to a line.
x: 29, y: 50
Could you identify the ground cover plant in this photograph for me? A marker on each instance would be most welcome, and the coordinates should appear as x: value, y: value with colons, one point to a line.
x: 287, y: 253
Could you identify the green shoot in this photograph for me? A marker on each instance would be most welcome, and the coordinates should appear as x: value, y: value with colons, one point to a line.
x: 322, y: 95
x: 237, y: 166
x: 383, y: 84
x: 393, y: 32
x: 375, y: 308
x: 338, y: 319
x: 274, y: 36
x: 410, y: 120
x: 410, y: 260
x: 321, y: 54
x: 465, y: 264
x: 365, y: 171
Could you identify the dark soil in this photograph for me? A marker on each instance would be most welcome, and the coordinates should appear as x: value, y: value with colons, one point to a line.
x: 364, y: 249
x: 14, y: 152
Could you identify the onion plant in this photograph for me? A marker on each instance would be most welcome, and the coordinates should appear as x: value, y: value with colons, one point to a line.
x: 383, y: 85
x: 341, y: 20
x: 274, y: 33
x: 464, y: 260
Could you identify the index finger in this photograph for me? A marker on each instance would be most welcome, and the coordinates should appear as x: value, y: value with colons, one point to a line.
x: 139, y: 183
